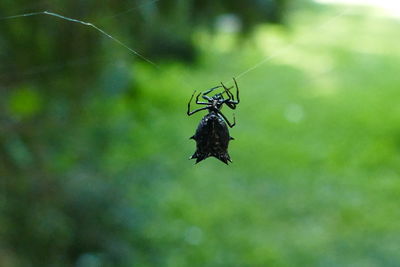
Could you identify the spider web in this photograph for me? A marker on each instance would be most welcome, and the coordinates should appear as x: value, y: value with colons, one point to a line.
x: 255, y: 66
x: 290, y: 45
x: 86, y: 24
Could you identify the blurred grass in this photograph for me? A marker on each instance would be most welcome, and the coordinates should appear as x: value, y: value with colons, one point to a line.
x: 315, y: 177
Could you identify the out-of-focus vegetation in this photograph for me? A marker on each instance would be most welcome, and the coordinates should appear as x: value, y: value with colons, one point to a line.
x: 90, y: 170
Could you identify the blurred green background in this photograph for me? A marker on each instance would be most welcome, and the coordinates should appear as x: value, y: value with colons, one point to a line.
x: 94, y: 141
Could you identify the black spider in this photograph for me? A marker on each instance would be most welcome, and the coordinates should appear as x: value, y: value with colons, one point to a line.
x: 212, y: 135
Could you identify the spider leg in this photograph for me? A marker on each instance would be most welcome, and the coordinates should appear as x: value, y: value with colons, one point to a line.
x: 230, y: 96
x: 227, y: 121
x: 230, y: 93
x: 212, y: 89
x: 206, y: 97
x: 200, y: 103
x: 191, y: 98
x: 209, y: 91
x: 237, y: 91
x: 197, y: 110
x: 230, y: 102
x: 190, y: 101
x: 233, y: 101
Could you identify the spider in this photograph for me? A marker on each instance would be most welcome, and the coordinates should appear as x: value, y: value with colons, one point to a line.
x: 212, y: 134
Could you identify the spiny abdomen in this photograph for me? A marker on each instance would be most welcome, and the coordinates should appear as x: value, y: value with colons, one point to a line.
x: 212, y: 139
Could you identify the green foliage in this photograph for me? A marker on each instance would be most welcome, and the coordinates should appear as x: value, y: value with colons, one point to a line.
x: 24, y: 103
x: 94, y: 152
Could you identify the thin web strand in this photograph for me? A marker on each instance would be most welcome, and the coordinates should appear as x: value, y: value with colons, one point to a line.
x: 84, y: 23
x: 284, y: 49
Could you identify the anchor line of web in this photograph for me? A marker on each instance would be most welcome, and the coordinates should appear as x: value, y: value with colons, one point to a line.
x: 86, y: 24
x: 290, y: 45
x: 103, y: 32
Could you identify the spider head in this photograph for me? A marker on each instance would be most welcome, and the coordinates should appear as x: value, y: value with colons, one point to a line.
x: 218, y: 100
x: 218, y: 97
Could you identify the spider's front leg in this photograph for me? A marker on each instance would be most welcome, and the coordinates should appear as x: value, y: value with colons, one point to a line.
x: 205, y: 94
x: 188, y: 106
x: 212, y: 89
x: 227, y: 91
x: 232, y: 102
x: 237, y: 92
x: 189, y: 113
x: 200, y: 103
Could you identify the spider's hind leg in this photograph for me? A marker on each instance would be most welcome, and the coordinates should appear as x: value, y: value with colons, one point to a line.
x: 227, y: 121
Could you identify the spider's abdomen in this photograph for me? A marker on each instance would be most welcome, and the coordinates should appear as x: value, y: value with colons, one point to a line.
x: 212, y: 139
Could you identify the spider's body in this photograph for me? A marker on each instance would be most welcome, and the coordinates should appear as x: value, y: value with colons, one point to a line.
x: 212, y: 138
x: 212, y: 135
